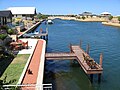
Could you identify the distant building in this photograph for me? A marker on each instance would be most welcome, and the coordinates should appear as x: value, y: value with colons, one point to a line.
x: 86, y: 13
x: 5, y: 17
x: 23, y: 12
x: 105, y: 14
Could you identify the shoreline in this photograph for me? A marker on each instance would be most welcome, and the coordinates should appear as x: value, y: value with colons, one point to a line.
x: 111, y: 24
x: 104, y: 21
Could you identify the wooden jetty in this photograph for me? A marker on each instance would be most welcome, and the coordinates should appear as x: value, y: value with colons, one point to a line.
x: 60, y: 56
x: 87, y: 63
x: 41, y: 35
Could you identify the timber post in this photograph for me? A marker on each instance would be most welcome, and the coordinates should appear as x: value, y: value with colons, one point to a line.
x: 101, y: 59
x: 100, y: 63
x: 88, y: 49
x: 70, y: 47
x: 91, y: 77
x: 99, y: 78
x: 47, y: 37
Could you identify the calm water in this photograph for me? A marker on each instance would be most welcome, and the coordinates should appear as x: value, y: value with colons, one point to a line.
x: 105, y: 39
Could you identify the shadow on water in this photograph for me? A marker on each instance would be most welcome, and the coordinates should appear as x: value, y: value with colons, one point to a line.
x: 63, y: 76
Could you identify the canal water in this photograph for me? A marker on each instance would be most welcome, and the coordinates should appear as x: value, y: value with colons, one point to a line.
x: 105, y: 39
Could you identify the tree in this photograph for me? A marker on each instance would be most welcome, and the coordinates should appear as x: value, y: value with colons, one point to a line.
x: 110, y: 17
x: 91, y: 16
x: 78, y: 17
x: 119, y: 19
x: 41, y: 16
x: 83, y: 17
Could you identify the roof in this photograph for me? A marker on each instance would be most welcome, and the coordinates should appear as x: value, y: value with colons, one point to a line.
x: 106, y: 13
x: 22, y: 10
x: 5, y: 13
x: 87, y: 13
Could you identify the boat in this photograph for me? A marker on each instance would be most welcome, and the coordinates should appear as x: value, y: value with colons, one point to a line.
x: 49, y: 21
x: 36, y: 32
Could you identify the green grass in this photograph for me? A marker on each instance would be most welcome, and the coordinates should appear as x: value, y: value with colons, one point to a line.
x: 15, y: 68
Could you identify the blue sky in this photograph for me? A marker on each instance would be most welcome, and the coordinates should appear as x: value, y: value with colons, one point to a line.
x: 66, y: 6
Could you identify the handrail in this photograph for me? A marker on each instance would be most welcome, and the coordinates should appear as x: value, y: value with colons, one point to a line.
x: 36, y: 86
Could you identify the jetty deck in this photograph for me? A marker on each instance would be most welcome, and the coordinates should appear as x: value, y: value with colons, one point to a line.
x: 77, y: 53
x: 88, y: 70
x: 60, y: 56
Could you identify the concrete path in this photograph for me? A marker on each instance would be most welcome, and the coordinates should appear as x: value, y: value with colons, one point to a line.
x: 35, y: 67
x: 31, y: 43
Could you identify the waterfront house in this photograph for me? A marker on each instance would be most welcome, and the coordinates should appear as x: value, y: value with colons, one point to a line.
x: 86, y: 13
x: 23, y: 12
x: 5, y: 17
x: 105, y: 14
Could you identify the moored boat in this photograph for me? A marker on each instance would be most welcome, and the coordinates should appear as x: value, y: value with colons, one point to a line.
x: 49, y: 21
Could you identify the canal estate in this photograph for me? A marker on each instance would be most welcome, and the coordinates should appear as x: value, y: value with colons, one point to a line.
x: 101, y: 38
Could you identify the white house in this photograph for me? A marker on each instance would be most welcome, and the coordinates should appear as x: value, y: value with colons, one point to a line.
x: 105, y: 14
x: 24, y: 12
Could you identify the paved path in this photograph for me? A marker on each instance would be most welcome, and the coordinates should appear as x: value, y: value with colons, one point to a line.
x: 34, y: 65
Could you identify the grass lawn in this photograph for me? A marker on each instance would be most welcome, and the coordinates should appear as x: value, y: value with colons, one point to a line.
x: 15, y: 68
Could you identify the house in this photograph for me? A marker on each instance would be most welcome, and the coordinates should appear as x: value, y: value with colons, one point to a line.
x: 86, y: 13
x: 23, y: 12
x: 5, y: 17
x: 105, y: 14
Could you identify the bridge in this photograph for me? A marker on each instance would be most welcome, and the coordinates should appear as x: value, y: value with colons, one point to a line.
x: 88, y: 64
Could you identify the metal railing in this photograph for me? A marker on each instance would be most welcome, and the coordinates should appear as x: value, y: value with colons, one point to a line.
x: 28, y: 87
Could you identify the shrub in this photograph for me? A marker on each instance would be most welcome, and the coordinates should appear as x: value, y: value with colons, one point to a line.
x: 83, y: 17
x: 3, y: 36
x: 41, y: 16
x: 17, y: 23
x: 78, y: 17
x: 110, y: 17
x: 10, y: 31
x: 2, y: 49
x: 119, y: 19
x: 4, y: 27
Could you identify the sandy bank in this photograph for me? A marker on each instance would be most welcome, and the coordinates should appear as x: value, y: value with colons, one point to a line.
x: 111, y: 24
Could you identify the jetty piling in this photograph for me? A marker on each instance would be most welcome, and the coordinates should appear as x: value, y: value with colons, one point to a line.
x: 70, y: 47
x: 88, y: 48
x: 101, y: 59
x: 100, y: 63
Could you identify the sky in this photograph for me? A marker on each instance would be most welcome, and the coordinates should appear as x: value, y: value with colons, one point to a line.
x: 64, y: 7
